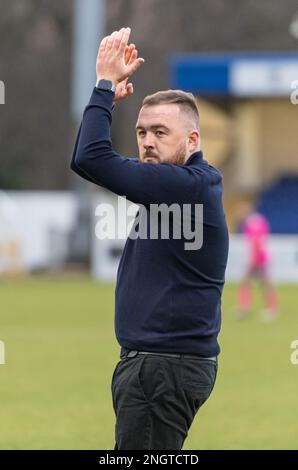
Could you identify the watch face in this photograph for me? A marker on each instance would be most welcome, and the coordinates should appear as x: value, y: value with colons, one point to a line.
x: 105, y: 84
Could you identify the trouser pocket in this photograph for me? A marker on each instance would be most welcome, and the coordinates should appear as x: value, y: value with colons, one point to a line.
x: 198, y: 379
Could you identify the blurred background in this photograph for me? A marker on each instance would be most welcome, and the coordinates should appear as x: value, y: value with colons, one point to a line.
x: 240, y: 59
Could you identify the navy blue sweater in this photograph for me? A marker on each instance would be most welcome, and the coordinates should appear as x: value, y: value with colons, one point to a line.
x: 168, y: 299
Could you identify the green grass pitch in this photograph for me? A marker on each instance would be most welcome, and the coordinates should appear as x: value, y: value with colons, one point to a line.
x: 61, y: 353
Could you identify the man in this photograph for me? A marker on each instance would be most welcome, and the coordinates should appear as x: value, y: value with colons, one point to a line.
x: 256, y: 230
x: 168, y: 298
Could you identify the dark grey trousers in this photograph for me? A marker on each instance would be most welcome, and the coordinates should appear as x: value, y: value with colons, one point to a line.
x: 156, y: 398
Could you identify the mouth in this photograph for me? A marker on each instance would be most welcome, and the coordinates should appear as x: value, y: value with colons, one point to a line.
x: 151, y: 160
x: 150, y: 157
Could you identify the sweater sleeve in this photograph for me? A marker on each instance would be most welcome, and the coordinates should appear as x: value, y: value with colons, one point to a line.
x: 142, y: 183
x: 73, y: 164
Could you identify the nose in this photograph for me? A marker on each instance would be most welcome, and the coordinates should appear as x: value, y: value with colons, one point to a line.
x: 148, y: 141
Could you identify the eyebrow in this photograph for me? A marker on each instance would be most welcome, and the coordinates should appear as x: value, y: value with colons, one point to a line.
x: 156, y: 126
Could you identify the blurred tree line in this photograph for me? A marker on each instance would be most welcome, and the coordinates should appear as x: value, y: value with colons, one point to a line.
x: 36, y: 129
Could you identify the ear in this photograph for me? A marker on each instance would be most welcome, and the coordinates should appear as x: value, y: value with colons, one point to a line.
x: 193, y: 140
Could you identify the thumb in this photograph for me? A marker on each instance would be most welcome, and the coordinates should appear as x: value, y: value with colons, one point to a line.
x: 135, y: 65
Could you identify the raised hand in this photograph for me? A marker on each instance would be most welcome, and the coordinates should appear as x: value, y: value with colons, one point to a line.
x: 112, y: 63
x: 124, y: 89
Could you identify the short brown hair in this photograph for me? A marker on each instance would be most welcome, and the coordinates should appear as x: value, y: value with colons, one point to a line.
x: 186, y: 102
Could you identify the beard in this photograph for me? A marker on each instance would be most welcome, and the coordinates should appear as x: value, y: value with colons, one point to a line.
x: 178, y: 158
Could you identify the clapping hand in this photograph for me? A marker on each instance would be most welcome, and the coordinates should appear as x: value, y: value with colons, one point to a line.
x: 116, y: 61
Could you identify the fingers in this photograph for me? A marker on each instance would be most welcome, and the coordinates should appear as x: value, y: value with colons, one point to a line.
x: 103, y: 44
x: 110, y: 41
x: 128, y: 52
x: 123, y: 57
x: 118, y: 38
x: 129, y: 89
x: 124, y: 40
x: 135, y: 65
x: 133, y: 56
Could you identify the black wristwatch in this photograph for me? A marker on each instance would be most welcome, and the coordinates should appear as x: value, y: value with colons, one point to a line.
x: 105, y: 85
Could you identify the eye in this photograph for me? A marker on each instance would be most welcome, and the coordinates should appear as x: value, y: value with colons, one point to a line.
x: 141, y: 133
x: 160, y: 133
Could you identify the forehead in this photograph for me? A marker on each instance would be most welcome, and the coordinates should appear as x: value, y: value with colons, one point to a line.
x: 157, y: 114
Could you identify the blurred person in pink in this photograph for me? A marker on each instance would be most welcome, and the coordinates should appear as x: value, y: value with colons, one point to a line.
x: 256, y: 230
